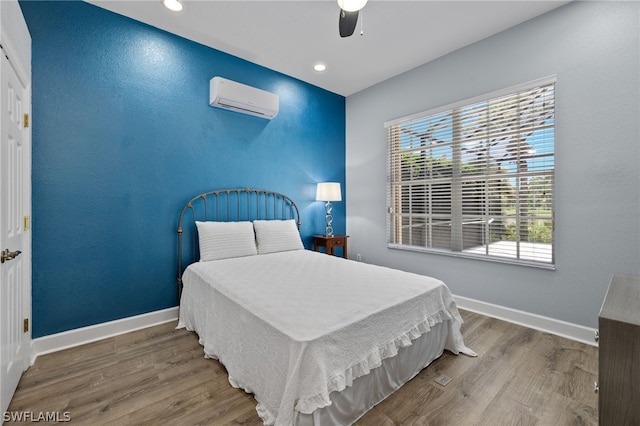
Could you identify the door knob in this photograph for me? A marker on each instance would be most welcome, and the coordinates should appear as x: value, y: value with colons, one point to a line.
x: 8, y: 255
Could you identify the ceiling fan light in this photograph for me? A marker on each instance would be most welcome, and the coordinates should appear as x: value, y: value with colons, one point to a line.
x: 173, y: 5
x: 351, y: 5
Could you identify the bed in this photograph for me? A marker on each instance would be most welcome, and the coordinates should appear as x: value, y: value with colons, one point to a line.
x: 318, y: 340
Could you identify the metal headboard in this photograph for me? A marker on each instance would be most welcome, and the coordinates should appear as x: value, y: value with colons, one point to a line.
x: 228, y: 205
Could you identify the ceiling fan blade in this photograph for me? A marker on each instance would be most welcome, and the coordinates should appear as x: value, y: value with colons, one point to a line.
x: 347, y: 22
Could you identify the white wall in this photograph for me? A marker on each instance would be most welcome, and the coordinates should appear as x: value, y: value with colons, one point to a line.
x: 593, y: 48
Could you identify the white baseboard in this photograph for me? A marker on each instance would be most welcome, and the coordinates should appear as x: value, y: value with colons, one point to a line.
x: 538, y: 322
x: 81, y: 336
x: 92, y: 333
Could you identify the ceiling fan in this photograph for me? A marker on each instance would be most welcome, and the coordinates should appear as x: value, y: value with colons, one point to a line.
x: 349, y: 10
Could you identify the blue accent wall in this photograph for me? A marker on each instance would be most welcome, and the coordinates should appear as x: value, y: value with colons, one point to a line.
x: 123, y: 136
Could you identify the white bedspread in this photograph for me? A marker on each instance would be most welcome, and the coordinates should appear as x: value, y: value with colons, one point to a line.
x: 291, y: 327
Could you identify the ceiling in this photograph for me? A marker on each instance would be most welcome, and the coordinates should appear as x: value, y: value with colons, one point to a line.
x: 292, y: 36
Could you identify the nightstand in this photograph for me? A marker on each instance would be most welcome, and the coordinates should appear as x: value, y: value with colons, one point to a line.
x: 330, y: 243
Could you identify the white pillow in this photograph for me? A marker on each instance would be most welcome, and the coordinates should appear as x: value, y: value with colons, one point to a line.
x: 277, y: 235
x: 221, y: 240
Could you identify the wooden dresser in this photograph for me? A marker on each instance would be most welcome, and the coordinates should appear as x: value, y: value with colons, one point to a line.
x: 619, y: 353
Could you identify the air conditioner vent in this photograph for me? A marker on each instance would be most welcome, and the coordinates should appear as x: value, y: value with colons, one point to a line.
x: 238, y: 97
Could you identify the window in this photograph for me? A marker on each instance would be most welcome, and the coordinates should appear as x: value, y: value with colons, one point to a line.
x: 476, y: 178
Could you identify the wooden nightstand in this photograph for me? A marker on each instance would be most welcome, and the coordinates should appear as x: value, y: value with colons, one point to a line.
x: 330, y: 243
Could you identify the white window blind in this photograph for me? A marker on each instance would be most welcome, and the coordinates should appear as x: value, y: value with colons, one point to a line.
x: 476, y: 178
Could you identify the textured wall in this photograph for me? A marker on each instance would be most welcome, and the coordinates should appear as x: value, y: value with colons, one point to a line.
x: 593, y: 48
x: 123, y: 136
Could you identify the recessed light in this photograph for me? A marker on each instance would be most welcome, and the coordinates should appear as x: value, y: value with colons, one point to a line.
x: 173, y: 5
x: 319, y: 67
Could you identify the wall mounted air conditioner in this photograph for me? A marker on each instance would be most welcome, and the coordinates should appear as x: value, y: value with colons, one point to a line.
x: 239, y: 97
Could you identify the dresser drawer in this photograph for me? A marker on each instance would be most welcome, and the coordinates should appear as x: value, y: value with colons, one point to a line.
x: 336, y: 242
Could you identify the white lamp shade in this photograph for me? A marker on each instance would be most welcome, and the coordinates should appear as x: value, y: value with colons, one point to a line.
x: 351, y: 5
x: 328, y: 191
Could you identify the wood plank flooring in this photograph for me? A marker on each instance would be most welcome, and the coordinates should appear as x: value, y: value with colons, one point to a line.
x: 158, y: 376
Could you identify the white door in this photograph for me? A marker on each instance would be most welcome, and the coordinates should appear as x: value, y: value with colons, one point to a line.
x: 15, y: 202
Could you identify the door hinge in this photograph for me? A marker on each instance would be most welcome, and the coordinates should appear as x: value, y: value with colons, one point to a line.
x: 26, y: 121
x: 25, y: 326
x: 26, y: 223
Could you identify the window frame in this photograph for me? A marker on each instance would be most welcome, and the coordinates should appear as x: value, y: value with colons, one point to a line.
x: 394, y: 228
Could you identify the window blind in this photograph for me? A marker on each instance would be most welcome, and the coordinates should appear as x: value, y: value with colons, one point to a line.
x: 476, y: 178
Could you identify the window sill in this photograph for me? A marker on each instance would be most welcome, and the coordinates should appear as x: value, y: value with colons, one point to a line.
x: 463, y: 255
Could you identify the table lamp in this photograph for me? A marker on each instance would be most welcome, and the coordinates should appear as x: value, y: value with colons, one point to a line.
x: 328, y: 192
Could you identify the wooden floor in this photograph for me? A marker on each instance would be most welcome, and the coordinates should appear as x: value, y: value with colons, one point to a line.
x: 158, y: 376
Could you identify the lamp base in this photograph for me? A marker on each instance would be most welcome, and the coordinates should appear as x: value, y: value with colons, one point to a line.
x: 329, y: 219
